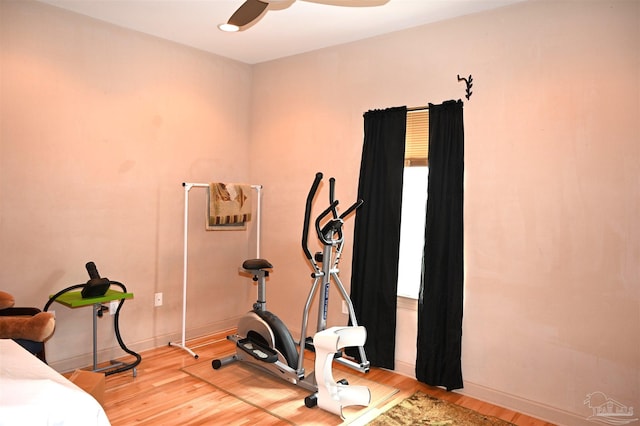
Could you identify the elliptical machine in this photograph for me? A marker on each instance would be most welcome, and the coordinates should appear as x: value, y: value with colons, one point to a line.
x: 262, y: 339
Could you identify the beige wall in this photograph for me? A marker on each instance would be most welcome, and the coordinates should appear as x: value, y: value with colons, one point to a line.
x: 99, y: 126
x: 552, y: 305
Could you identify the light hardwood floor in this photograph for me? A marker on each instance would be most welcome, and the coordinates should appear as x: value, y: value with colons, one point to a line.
x: 162, y: 394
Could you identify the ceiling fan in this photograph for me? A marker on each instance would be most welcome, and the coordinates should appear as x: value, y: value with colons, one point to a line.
x: 251, y: 11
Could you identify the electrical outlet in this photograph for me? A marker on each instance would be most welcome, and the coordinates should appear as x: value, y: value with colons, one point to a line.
x: 113, y: 307
x: 158, y: 299
x: 345, y: 308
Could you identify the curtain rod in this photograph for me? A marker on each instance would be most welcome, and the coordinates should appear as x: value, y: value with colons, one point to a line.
x: 468, y: 81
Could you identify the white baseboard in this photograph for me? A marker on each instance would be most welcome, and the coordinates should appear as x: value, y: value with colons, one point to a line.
x: 114, y: 352
x: 521, y: 405
x: 405, y: 368
x: 480, y: 392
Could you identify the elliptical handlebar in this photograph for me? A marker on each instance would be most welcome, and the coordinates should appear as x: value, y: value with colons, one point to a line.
x: 354, y: 206
x: 332, y: 191
x: 307, y: 213
x: 334, y: 224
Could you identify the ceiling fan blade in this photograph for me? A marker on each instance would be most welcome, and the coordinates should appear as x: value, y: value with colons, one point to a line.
x: 350, y: 3
x: 248, y: 12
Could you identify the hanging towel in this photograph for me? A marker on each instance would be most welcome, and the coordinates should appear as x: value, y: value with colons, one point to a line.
x: 229, y: 204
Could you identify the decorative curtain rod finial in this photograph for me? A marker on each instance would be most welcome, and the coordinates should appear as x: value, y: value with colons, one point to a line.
x: 469, y: 83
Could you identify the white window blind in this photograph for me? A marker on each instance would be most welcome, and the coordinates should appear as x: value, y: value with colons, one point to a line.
x: 416, y: 151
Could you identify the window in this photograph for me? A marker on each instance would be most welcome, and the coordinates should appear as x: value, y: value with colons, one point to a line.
x: 414, y: 203
x: 416, y: 151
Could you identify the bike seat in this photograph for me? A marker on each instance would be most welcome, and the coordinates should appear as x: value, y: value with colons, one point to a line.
x: 256, y: 264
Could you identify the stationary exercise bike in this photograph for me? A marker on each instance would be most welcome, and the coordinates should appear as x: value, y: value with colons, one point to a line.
x: 262, y: 339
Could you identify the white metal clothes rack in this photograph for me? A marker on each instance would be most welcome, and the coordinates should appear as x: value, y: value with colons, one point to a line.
x: 187, y: 187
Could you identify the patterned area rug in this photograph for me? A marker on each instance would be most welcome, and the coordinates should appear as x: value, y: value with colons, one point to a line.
x: 422, y: 409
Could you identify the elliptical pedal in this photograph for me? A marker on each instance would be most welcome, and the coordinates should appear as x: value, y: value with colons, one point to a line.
x: 308, y: 344
x: 257, y: 350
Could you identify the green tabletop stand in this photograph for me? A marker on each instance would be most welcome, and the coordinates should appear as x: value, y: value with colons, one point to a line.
x: 74, y: 299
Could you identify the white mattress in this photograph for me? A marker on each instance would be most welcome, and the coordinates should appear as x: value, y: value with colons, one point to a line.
x: 32, y: 393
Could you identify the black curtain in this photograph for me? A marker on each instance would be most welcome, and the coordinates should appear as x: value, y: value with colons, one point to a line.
x: 376, y: 240
x: 439, y: 344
